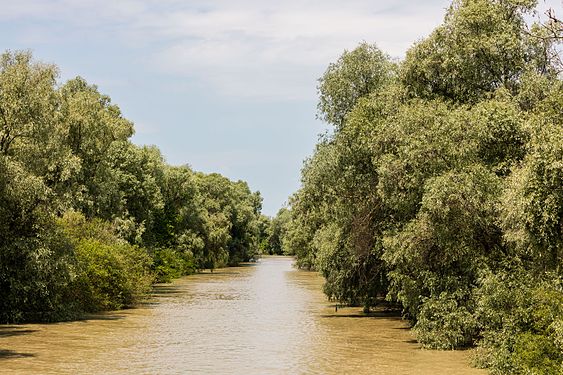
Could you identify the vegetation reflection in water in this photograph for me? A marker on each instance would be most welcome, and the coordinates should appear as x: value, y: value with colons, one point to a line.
x: 259, y: 319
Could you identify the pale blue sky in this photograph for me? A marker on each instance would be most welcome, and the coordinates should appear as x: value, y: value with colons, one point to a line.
x: 225, y: 86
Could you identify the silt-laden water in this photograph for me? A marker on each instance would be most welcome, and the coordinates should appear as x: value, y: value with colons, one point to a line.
x: 266, y: 318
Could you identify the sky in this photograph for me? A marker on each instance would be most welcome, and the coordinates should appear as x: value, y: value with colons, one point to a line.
x: 224, y: 86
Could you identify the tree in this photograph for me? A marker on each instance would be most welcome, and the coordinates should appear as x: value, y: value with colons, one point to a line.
x: 230, y: 221
x: 27, y: 100
x: 88, y: 220
x: 278, y: 227
x: 355, y: 75
x: 35, y: 259
x: 92, y: 129
x: 440, y: 187
x: 481, y: 46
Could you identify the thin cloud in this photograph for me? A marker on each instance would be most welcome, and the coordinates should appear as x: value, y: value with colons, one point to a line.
x: 277, y: 53
x: 249, y: 49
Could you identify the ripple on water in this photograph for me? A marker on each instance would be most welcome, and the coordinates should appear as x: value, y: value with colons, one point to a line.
x: 266, y: 318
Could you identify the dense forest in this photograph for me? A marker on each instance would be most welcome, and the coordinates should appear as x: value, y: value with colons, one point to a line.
x: 89, y: 220
x: 440, y: 187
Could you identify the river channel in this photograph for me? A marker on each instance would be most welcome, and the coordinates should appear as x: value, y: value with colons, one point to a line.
x: 265, y: 318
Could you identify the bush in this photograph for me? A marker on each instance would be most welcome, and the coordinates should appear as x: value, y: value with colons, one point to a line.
x: 444, y: 323
x: 110, y: 273
x: 110, y: 276
x: 521, y: 319
x: 170, y: 264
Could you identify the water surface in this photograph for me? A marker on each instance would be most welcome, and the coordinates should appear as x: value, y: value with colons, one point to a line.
x: 266, y: 318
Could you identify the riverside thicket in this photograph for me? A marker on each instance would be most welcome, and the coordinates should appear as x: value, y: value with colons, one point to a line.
x: 441, y: 185
x: 89, y: 220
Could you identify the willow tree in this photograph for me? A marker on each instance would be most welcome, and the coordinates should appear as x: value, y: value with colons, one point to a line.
x: 333, y: 226
x: 440, y: 186
x: 34, y: 256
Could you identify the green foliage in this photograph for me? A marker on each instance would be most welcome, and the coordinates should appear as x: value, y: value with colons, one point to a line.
x: 356, y: 74
x: 110, y: 273
x: 450, y: 239
x: 170, y: 264
x: 277, y: 231
x: 532, y: 209
x: 298, y: 239
x: 521, y: 320
x: 110, y: 276
x: 264, y: 223
x: 229, y: 222
x: 537, y: 354
x: 90, y: 127
x: 445, y: 324
x: 35, y: 258
x: 88, y: 220
x: 27, y: 100
x: 441, y: 186
x: 480, y: 47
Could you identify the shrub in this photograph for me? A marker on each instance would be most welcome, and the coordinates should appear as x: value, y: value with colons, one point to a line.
x: 170, y: 264
x: 521, y: 319
x: 110, y: 276
x: 444, y: 323
x: 110, y: 273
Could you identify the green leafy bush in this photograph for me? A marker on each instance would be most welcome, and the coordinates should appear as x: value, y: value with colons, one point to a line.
x: 170, y: 264
x: 444, y: 323
x: 110, y: 273
x: 110, y: 276
x: 521, y: 320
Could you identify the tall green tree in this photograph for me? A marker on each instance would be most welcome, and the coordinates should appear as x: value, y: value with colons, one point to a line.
x: 355, y: 75
x: 92, y: 127
x: 88, y: 219
x: 440, y: 185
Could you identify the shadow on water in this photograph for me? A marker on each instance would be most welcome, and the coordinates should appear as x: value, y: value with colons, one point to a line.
x: 10, y: 330
x: 373, y: 314
x: 102, y: 316
x: 147, y: 304
x: 356, y: 316
x: 9, y: 354
x: 161, y: 290
x: 248, y: 264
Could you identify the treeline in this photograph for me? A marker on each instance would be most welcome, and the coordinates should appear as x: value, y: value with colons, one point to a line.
x: 272, y: 233
x: 441, y: 186
x: 88, y: 220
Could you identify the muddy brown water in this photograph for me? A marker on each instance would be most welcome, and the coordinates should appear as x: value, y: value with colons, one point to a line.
x: 267, y: 318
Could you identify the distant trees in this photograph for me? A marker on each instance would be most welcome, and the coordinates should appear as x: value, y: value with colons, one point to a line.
x: 276, y: 233
x: 88, y: 220
x: 440, y: 187
x: 271, y: 233
x: 230, y: 222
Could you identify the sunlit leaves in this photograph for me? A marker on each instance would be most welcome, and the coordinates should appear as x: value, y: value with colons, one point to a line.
x: 127, y: 216
x: 438, y: 178
x: 356, y: 74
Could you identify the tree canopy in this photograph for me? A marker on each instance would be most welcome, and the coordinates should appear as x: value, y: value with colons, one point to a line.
x: 89, y: 220
x: 440, y: 187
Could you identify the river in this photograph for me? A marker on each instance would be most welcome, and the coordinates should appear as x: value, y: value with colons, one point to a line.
x: 265, y: 318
